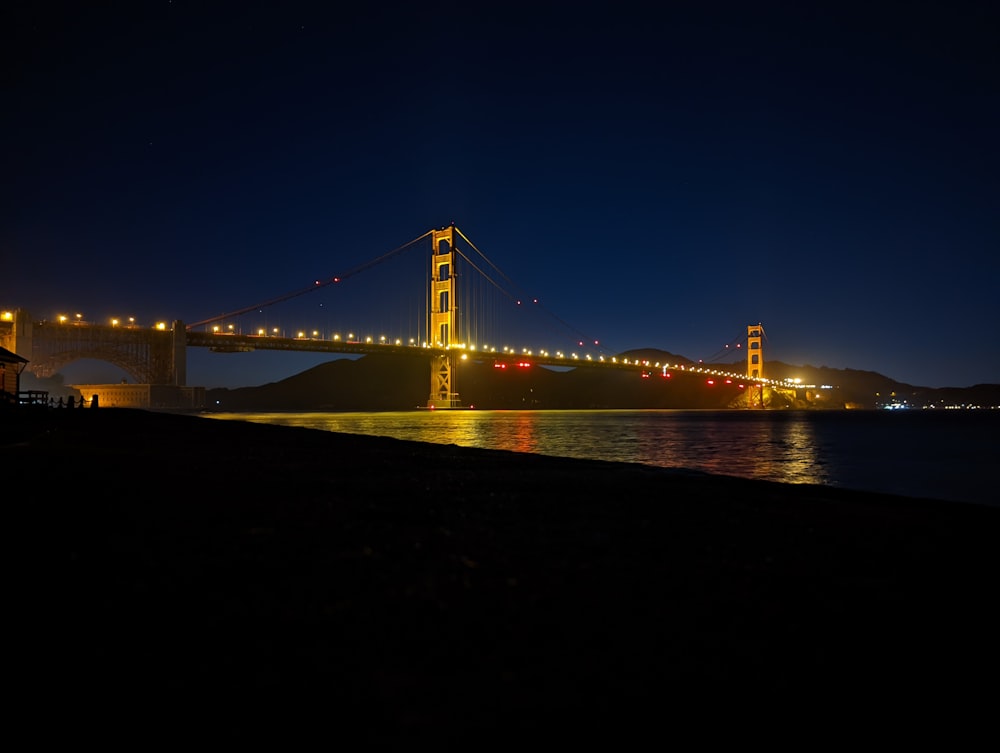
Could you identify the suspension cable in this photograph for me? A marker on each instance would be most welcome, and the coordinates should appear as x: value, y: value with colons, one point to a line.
x: 315, y: 286
x: 514, y: 296
x: 725, y: 349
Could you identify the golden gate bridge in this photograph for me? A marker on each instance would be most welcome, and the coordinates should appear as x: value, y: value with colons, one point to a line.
x: 464, y: 307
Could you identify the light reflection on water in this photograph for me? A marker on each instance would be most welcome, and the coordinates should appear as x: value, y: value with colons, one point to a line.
x: 732, y: 443
x: 941, y: 454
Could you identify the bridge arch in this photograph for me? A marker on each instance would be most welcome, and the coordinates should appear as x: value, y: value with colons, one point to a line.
x: 148, y: 355
x: 56, y: 362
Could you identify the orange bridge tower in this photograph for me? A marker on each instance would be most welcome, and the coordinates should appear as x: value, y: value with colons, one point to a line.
x: 755, y: 364
x: 442, y: 325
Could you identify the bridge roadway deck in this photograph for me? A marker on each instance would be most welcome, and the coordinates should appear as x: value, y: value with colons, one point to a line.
x: 237, y: 343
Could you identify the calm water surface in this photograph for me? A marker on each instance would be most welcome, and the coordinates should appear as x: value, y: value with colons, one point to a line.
x: 950, y: 455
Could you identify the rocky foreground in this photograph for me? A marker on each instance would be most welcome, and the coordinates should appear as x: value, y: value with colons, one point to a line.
x: 199, y: 580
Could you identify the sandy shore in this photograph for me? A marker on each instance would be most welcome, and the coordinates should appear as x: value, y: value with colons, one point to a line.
x: 175, y: 573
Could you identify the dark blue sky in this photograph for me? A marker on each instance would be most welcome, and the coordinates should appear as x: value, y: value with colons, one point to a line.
x: 662, y: 174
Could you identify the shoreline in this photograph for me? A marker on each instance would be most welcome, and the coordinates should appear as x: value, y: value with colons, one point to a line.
x: 411, y: 590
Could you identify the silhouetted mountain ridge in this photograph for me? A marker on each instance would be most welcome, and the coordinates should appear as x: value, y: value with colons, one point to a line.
x: 377, y: 383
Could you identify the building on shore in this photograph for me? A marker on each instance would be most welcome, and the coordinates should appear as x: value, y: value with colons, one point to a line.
x: 165, y: 397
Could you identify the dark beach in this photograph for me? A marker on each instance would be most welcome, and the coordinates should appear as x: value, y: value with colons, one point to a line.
x: 175, y: 574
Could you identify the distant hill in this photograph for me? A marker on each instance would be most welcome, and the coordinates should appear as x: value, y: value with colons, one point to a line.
x: 870, y: 389
x: 379, y: 383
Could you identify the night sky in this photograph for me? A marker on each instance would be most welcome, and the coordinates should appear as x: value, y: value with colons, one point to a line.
x: 660, y: 174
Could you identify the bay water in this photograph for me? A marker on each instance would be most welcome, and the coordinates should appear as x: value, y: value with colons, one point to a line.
x: 942, y: 454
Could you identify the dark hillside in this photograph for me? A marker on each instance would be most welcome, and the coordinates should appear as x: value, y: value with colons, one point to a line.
x: 376, y: 383
x: 370, y: 383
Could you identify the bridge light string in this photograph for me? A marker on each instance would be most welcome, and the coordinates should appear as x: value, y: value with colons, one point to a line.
x: 509, y: 290
x: 315, y: 286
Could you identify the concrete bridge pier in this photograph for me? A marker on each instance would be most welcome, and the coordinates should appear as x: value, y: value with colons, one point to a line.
x: 443, y: 395
x: 179, y: 354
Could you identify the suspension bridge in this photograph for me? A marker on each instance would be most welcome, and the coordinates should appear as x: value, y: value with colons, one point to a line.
x: 448, y: 303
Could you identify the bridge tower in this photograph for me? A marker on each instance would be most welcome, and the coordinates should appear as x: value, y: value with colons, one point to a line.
x: 16, y: 333
x: 442, y: 325
x: 755, y: 364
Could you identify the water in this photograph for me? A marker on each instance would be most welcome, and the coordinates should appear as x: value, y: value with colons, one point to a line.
x: 950, y: 455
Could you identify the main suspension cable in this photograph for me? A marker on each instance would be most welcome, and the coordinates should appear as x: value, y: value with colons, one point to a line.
x: 315, y: 286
